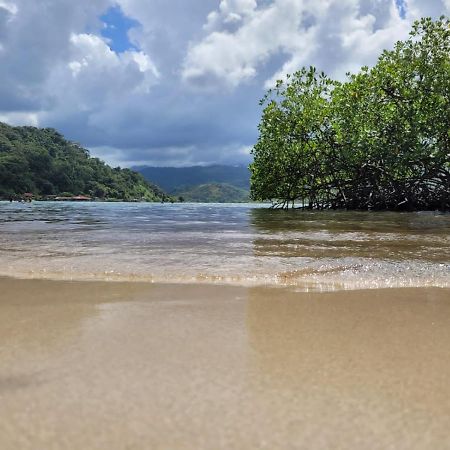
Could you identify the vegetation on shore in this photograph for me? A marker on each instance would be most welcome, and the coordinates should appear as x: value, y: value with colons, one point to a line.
x: 43, y: 163
x: 380, y: 140
x: 212, y: 193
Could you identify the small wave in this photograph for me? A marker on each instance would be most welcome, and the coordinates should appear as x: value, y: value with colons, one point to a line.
x: 345, y: 277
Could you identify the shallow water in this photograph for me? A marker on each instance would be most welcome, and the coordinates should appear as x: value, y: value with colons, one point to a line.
x: 114, y: 366
x: 227, y: 243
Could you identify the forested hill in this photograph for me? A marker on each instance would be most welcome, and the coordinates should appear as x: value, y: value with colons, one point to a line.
x: 174, y: 178
x: 213, y: 193
x: 42, y: 162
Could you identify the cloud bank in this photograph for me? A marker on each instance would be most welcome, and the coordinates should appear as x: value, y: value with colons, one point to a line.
x: 184, y: 88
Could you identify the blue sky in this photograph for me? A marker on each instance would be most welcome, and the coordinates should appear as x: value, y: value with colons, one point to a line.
x: 401, y: 5
x: 116, y: 29
x: 170, y: 82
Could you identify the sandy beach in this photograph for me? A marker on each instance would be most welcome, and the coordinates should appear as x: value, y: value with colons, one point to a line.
x: 102, y: 365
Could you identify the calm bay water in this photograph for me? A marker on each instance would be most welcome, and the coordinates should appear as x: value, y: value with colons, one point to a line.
x: 231, y: 243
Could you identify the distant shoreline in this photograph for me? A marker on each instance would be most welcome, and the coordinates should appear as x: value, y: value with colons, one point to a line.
x: 110, y: 200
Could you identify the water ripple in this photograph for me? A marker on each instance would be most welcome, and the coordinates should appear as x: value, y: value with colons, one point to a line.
x: 237, y: 244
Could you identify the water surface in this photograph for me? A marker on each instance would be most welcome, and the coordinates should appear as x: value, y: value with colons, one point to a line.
x: 224, y: 243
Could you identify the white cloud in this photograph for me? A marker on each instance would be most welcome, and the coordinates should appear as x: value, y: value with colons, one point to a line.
x: 335, y: 35
x: 19, y: 118
x: 230, y: 12
x: 424, y: 8
x: 9, y: 6
x: 59, y: 69
x: 122, y: 73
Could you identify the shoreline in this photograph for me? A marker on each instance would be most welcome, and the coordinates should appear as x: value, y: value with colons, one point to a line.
x: 312, y: 280
x: 133, y: 365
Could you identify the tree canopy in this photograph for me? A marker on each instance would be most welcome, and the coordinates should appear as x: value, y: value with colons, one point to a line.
x: 379, y: 140
x: 42, y: 162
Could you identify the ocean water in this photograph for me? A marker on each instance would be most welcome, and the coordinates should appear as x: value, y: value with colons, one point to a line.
x: 242, y: 244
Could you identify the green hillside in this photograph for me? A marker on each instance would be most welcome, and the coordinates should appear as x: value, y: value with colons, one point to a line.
x: 42, y: 162
x: 172, y: 178
x: 213, y: 193
x: 216, y: 183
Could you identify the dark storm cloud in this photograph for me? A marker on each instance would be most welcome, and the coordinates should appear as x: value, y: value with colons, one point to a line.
x: 151, y: 127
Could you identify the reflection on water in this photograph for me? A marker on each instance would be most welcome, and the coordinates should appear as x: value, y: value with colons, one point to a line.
x: 397, y: 236
x: 341, y: 221
x: 240, y: 244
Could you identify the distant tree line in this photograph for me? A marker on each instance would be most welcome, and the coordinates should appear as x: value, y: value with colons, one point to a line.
x: 42, y: 162
x: 380, y: 140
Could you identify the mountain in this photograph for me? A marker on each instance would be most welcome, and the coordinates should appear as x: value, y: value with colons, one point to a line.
x: 213, y: 193
x: 172, y: 178
x: 42, y: 162
x: 216, y: 183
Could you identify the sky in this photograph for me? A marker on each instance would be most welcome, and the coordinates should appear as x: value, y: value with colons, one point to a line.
x: 178, y: 82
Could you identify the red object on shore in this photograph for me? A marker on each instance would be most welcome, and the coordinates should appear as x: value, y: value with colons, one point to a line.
x: 27, y: 197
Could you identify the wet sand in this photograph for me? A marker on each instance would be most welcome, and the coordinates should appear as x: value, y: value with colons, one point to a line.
x: 133, y: 366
